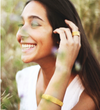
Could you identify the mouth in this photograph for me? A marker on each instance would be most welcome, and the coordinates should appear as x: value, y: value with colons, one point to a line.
x: 26, y: 47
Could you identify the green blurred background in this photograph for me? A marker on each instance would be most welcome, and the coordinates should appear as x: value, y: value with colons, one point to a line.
x: 89, y: 12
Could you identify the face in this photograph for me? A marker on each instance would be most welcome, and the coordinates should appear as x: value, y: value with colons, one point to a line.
x: 35, y: 33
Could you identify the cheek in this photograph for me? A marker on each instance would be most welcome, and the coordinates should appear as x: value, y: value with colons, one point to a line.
x: 42, y: 35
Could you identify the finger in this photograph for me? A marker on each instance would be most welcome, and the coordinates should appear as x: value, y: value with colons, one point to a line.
x: 68, y: 33
x: 63, y: 38
x: 77, y: 40
x: 71, y: 25
x: 74, y: 28
x: 76, y: 35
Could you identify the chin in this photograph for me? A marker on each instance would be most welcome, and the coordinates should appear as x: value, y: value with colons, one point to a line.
x: 25, y: 60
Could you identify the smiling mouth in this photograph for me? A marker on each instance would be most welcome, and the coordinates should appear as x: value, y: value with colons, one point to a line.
x: 26, y: 47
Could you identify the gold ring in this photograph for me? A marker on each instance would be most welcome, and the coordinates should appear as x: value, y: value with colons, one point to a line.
x: 75, y: 33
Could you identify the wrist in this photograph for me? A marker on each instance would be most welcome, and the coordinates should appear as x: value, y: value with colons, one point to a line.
x: 62, y: 68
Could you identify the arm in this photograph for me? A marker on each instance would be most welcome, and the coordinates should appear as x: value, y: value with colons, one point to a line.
x: 54, y: 89
x: 85, y: 103
x: 69, y: 47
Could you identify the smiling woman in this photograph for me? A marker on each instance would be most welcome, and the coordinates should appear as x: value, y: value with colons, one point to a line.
x: 35, y: 24
x: 49, y: 28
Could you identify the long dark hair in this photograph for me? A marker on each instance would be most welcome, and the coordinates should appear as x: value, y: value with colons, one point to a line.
x: 57, y: 12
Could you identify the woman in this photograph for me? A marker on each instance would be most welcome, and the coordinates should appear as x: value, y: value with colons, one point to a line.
x: 51, y: 35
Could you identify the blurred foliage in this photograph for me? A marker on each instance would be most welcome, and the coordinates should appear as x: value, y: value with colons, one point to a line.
x: 10, y: 49
x: 89, y: 12
x: 10, y: 52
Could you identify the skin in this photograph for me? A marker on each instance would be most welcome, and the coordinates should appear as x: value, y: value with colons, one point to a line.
x: 50, y: 74
x: 35, y: 34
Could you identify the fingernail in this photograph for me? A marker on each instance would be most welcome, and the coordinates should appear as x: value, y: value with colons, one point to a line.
x: 66, y: 20
x: 54, y: 31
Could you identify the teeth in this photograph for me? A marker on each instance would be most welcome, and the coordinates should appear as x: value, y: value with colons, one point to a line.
x: 28, y: 45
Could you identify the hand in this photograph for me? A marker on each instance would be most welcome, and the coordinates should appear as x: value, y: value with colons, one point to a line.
x: 69, y: 46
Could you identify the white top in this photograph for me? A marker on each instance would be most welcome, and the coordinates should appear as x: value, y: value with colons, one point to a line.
x: 26, y: 83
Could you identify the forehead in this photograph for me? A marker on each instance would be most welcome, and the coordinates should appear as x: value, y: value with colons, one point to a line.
x: 34, y: 8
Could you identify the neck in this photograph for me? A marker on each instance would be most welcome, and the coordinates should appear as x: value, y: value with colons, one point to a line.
x: 47, y: 69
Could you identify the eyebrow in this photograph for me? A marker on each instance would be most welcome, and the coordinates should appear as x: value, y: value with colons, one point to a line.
x: 33, y: 16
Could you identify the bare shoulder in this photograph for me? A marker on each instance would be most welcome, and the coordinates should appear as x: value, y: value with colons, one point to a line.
x: 85, y: 103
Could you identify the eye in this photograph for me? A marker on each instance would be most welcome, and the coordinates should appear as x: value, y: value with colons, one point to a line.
x: 35, y: 23
x: 20, y: 22
x: 20, y: 25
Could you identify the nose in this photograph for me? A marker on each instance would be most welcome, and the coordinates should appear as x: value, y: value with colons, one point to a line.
x: 22, y: 34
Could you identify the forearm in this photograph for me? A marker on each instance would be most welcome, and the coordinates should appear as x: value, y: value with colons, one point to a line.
x: 67, y: 53
x: 56, y: 88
